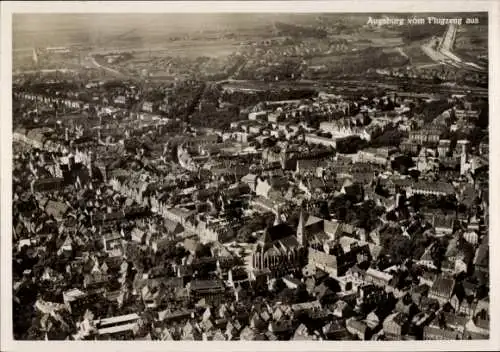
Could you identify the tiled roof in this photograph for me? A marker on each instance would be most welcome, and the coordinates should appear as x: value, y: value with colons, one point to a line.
x: 427, y: 256
x: 443, y: 187
x: 443, y: 286
x: 312, y: 220
x: 170, y: 225
x: 310, y: 165
x: 206, y: 284
x: 357, y: 325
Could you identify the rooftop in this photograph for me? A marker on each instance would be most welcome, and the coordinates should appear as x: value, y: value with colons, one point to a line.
x: 117, y: 329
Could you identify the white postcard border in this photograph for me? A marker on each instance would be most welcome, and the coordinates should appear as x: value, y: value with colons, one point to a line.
x: 8, y: 8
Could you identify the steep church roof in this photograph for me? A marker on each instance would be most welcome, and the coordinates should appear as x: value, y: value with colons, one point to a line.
x: 278, y: 237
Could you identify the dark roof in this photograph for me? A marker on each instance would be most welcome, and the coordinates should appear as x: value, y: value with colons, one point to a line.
x: 278, y: 232
x: 434, y: 187
x: 420, y: 289
x: 172, y: 226
x: 320, y: 275
x: 310, y: 165
x: 49, y: 181
x: 482, y: 255
x: 114, y: 216
x: 443, y: 221
x: 206, y: 284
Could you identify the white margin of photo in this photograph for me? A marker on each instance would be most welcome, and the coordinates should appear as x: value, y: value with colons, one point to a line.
x: 8, y: 8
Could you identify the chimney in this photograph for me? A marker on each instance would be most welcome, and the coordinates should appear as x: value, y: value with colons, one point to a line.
x: 66, y: 134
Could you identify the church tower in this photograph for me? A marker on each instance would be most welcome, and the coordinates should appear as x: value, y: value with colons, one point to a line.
x: 300, y: 230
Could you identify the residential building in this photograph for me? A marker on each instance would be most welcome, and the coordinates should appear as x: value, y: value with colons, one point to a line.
x: 395, y: 326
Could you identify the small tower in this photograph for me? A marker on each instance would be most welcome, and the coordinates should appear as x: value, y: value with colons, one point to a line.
x: 104, y: 171
x: 398, y: 200
x: 71, y: 161
x: 284, y: 156
x: 463, y: 156
x: 90, y: 163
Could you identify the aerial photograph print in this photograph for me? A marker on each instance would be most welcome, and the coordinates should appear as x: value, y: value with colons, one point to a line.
x: 250, y: 176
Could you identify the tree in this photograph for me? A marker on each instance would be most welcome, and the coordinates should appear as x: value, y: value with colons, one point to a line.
x: 351, y: 145
x: 244, y: 234
x: 234, y: 210
x: 419, y: 243
x: 203, y: 251
x: 228, y: 235
x: 395, y: 245
x: 135, y: 255
x: 483, y: 120
x: 402, y: 164
x: 340, y: 206
x: 279, y: 286
x: 269, y: 142
x: 34, y: 332
x: 321, y: 210
x: 369, y: 215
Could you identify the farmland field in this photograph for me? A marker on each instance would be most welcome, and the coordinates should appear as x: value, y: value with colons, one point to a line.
x: 192, y: 48
x: 471, y: 42
x: 387, y: 42
x: 325, y: 60
x: 416, y: 54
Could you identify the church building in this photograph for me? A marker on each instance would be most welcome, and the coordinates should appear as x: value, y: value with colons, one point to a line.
x: 281, y: 250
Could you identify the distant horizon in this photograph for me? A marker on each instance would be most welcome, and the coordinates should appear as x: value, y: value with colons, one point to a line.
x: 31, y: 30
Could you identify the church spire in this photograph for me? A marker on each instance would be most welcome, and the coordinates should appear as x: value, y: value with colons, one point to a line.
x: 277, y: 219
x: 300, y: 229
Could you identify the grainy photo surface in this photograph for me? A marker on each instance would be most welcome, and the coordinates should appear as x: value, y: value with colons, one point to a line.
x: 250, y: 176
